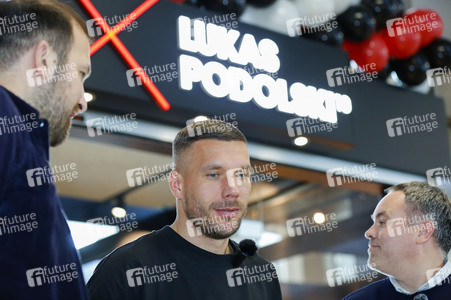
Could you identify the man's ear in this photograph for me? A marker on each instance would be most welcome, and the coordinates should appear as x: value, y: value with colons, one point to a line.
x: 425, y: 232
x: 44, y: 58
x: 176, y: 184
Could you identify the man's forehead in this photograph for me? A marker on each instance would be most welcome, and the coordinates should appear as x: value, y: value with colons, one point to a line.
x: 390, y: 203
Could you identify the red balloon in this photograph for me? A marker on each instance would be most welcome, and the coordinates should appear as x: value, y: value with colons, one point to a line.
x: 425, y: 21
x: 371, y: 51
x: 402, y: 45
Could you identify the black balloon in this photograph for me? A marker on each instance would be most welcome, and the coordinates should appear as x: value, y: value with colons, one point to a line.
x: 384, y: 10
x: 195, y: 2
x: 261, y: 3
x: 357, y: 23
x: 333, y: 37
x: 439, y: 53
x: 226, y: 6
x: 411, y: 71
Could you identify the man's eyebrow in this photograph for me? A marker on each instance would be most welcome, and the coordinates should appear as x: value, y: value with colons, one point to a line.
x: 381, y: 214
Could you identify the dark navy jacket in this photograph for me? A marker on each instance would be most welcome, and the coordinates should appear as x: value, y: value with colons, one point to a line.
x: 38, y: 259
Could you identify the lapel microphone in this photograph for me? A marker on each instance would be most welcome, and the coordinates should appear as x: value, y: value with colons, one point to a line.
x: 247, y: 248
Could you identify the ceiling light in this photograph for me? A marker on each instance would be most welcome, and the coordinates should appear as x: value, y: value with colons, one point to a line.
x: 301, y: 141
x: 319, y: 218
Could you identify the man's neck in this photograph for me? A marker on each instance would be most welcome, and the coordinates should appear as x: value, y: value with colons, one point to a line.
x: 413, y: 280
x: 208, y: 244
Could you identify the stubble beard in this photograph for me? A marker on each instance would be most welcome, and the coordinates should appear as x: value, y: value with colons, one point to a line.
x: 50, y: 99
x: 194, y: 210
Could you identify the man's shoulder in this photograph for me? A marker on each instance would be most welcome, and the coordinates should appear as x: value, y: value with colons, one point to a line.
x: 136, y: 248
x: 370, y: 291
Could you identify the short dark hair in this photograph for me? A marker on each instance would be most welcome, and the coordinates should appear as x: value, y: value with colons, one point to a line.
x: 202, y: 130
x: 427, y: 200
x: 53, y: 21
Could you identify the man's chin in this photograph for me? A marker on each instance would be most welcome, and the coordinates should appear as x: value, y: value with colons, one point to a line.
x: 59, y: 138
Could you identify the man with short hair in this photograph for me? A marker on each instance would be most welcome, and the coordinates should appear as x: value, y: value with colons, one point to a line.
x: 194, y: 257
x: 409, y: 242
x: 44, y: 59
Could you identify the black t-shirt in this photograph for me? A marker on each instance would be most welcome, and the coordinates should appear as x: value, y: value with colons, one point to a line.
x: 162, y: 265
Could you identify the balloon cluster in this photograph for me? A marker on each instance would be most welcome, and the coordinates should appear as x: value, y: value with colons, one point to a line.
x: 408, y: 43
x: 373, y: 32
